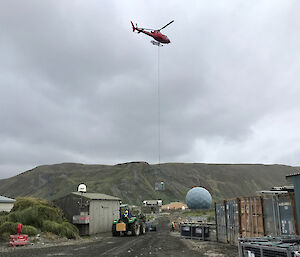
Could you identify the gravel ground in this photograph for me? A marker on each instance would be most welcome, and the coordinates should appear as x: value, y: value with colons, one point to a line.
x: 212, y: 249
x: 162, y: 243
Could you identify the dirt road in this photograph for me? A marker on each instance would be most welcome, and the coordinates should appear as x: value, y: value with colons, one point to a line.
x: 159, y: 243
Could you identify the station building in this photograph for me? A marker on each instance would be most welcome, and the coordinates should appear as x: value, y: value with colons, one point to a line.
x: 6, y: 204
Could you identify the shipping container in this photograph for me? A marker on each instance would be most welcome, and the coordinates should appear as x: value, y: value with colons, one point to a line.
x: 251, y: 217
x: 295, y: 179
x: 257, y: 216
x: 233, y: 220
x: 270, y: 215
x: 228, y: 221
x: 287, y: 214
x: 279, y: 214
x: 221, y: 225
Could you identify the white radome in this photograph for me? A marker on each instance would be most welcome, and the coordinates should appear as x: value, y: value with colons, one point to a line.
x: 198, y: 198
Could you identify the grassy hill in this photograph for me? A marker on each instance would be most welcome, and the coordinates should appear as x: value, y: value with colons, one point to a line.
x: 134, y: 182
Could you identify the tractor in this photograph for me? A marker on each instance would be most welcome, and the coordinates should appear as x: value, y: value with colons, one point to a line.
x: 128, y: 223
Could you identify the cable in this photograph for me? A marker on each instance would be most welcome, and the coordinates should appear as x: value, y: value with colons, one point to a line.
x: 158, y: 106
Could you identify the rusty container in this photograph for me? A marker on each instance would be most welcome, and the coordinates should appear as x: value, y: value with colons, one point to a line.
x: 251, y: 217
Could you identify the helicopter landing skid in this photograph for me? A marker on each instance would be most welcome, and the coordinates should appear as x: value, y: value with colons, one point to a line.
x: 156, y: 43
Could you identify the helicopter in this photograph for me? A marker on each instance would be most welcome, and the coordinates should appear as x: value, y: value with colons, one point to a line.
x: 155, y: 33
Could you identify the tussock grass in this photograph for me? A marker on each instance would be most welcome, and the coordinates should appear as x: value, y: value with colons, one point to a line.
x: 8, y: 227
x: 51, y: 226
x: 69, y: 230
x: 30, y: 230
x: 36, y: 215
x: 25, y: 202
x: 64, y: 229
x: 3, y: 219
x: 3, y: 213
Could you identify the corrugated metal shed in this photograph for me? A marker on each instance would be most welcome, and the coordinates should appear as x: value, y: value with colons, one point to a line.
x: 91, y: 212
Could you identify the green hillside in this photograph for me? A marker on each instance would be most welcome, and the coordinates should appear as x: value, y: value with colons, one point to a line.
x: 134, y: 182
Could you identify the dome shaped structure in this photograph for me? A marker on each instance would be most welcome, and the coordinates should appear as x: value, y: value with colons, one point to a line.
x: 198, y: 198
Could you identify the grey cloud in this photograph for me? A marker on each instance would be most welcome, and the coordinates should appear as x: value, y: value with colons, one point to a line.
x: 77, y: 85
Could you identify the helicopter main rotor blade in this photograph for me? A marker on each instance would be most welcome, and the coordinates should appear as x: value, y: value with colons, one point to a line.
x: 166, y: 25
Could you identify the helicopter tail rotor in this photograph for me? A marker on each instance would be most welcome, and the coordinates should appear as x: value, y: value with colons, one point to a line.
x: 133, y: 28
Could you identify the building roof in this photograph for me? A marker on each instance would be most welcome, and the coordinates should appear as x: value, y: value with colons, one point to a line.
x: 270, y: 192
x: 283, y: 188
x: 291, y: 175
x: 4, y: 199
x: 175, y: 205
x: 98, y: 196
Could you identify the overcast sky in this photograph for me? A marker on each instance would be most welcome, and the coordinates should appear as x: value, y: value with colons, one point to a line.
x: 77, y: 85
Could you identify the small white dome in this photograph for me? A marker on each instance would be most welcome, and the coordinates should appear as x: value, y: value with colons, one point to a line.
x: 82, y: 188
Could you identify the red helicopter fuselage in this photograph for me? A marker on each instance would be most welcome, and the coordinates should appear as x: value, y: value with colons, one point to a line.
x: 156, y: 34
